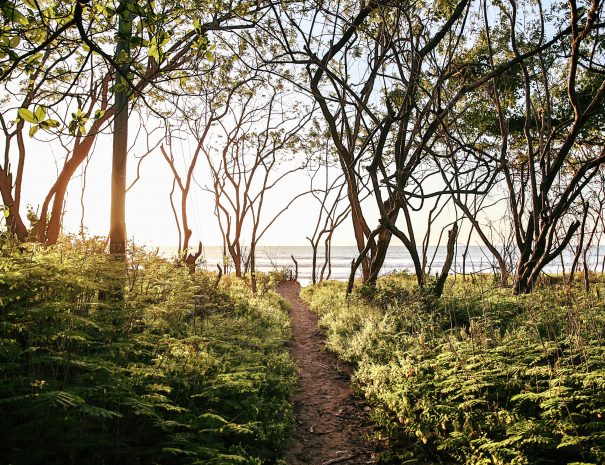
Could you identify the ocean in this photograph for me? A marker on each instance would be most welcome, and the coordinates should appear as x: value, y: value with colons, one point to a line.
x: 478, y: 259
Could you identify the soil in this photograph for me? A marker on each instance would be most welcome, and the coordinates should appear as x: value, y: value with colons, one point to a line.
x: 332, y: 422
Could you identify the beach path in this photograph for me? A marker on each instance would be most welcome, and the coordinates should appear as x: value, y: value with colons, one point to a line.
x: 332, y: 423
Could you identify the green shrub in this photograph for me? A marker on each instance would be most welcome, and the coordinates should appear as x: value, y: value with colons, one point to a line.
x: 176, y: 372
x: 480, y: 376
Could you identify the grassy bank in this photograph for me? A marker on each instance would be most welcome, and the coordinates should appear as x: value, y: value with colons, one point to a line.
x: 178, y: 372
x: 480, y: 376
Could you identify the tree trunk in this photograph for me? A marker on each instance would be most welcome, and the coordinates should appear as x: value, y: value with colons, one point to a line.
x: 186, y: 231
x: 379, y: 254
x: 14, y: 222
x: 360, y: 238
x: 580, y: 247
x: 313, y: 262
x: 49, y: 228
x: 532, y: 261
x: 236, y: 256
x: 253, y: 267
x: 503, y: 273
x: 191, y: 258
x: 117, y: 227
x: 523, y: 284
x: 451, y: 246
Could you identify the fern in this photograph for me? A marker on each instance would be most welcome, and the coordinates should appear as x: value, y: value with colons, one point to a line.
x: 87, y: 380
x: 480, y: 376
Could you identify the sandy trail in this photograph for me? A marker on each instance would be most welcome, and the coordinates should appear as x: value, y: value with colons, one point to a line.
x: 332, y: 424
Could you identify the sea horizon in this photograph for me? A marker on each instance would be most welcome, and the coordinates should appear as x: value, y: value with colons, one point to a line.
x: 279, y: 257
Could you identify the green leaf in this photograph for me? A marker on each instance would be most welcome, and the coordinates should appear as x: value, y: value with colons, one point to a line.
x: 27, y: 115
x: 40, y: 113
x: 33, y: 130
x: 98, y: 412
x: 52, y: 123
x: 154, y: 52
x: 14, y: 15
x: 137, y: 41
x: 33, y: 59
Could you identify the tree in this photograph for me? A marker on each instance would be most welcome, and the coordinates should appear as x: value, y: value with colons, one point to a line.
x: 550, y: 147
x: 14, y: 130
x: 381, y: 110
x: 251, y: 161
x: 171, y: 42
x: 331, y: 214
x: 37, y: 60
x: 198, y: 116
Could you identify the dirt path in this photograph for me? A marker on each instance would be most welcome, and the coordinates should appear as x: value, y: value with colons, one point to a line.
x: 331, y: 422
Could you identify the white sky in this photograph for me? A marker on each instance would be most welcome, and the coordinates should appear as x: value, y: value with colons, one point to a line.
x: 149, y: 217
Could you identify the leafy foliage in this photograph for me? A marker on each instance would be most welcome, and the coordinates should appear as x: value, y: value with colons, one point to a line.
x: 177, y: 373
x: 482, y: 377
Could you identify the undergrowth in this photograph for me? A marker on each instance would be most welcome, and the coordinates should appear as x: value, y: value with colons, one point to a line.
x: 176, y: 372
x: 479, y: 376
